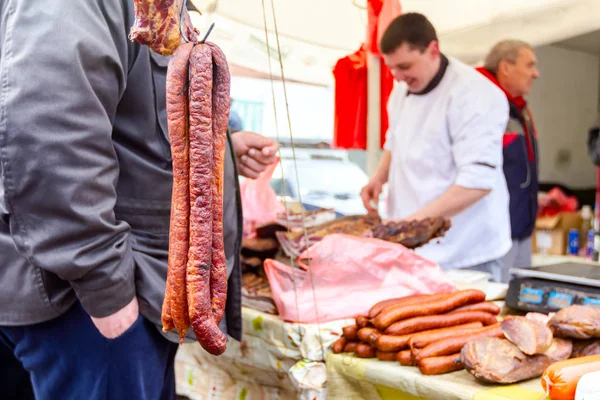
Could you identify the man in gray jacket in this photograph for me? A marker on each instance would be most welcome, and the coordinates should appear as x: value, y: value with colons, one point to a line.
x: 85, y: 194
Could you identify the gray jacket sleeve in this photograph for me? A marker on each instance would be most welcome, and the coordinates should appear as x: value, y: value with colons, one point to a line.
x: 62, y: 68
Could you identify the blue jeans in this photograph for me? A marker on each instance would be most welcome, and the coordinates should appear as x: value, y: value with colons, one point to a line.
x: 69, y: 359
x: 14, y: 380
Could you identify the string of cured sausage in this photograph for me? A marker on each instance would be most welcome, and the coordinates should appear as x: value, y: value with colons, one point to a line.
x: 198, y: 87
x: 198, y: 98
x: 204, y: 205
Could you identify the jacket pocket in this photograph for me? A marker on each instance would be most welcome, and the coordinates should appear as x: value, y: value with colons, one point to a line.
x: 129, y: 336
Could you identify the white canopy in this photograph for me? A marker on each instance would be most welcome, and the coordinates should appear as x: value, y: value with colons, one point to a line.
x: 314, y: 34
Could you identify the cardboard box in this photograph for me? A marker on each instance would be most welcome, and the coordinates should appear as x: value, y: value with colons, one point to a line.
x: 551, y: 233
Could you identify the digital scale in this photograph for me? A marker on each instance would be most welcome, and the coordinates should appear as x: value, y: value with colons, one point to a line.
x: 552, y: 287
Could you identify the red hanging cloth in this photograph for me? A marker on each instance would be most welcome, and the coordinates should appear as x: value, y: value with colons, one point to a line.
x: 381, y: 13
x: 350, y: 72
x: 350, y: 127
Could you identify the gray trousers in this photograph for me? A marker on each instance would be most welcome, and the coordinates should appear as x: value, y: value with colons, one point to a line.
x: 519, y: 256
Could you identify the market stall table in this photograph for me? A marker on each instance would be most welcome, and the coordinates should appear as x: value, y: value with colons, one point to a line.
x: 350, y: 377
x: 548, y: 259
x: 267, y: 364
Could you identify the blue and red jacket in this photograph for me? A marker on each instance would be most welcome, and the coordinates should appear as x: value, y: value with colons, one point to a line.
x: 520, y: 164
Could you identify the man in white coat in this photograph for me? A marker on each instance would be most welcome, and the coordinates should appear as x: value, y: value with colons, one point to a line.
x: 443, y: 150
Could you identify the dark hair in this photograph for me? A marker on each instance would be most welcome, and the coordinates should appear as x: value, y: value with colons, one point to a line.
x: 412, y: 28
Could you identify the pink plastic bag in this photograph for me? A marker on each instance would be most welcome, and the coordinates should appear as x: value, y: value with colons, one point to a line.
x: 259, y: 201
x: 349, y: 275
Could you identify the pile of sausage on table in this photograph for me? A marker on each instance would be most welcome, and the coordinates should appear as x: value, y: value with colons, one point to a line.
x: 447, y: 332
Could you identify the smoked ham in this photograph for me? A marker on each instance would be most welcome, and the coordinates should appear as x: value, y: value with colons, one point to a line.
x: 530, y: 336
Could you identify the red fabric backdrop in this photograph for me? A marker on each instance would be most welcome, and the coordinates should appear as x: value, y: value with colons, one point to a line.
x: 350, y: 73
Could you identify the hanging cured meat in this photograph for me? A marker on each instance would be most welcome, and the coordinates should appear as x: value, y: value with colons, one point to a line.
x: 198, y: 86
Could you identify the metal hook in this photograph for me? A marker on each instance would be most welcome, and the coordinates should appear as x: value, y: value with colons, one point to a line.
x: 182, y: 23
x: 355, y: 4
x: 208, y: 32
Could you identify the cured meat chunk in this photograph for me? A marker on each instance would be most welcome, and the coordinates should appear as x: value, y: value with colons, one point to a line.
x: 531, y: 337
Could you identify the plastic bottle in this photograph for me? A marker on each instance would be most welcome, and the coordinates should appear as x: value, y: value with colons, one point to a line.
x: 596, y: 254
x: 586, y: 225
x: 589, y: 247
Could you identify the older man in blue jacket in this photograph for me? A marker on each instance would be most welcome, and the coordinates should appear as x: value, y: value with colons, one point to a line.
x: 512, y: 66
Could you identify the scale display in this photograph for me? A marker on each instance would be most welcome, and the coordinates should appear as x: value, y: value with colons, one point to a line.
x: 552, y: 287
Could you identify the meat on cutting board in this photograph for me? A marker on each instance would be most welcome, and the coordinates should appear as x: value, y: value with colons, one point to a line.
x: 559, y: 350
x: 576, y: 322
x: 412, y: 234
x: 295, y: 243
x: 543, y: 318
x: 530, y: 336
x: 497, y: 360
x: 582, y: 348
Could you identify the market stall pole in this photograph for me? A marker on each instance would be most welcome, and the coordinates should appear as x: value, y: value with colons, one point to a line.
x: 373, y: 112
x: 380, y: 13
x: 362, y: 87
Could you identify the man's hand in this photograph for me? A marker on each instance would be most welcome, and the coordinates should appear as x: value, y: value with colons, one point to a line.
x: 254, y: 152
x: 370, y: 195
x: 116, y: 324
